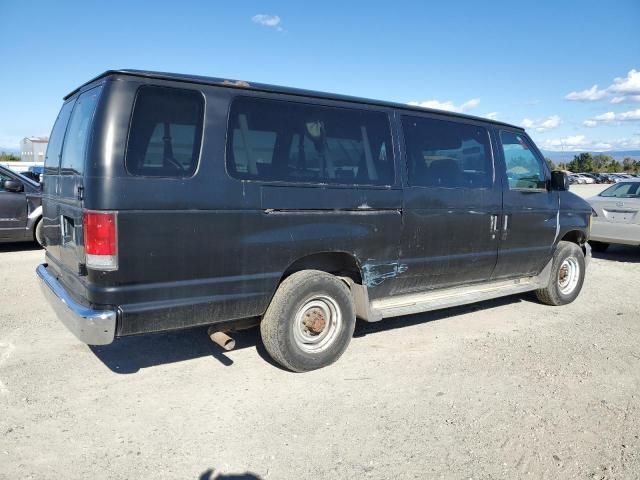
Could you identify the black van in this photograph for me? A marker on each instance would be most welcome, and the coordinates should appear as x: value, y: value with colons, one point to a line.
x: 172, y: 201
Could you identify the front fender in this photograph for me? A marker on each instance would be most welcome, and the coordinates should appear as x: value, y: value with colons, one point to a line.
x: 574, y: 216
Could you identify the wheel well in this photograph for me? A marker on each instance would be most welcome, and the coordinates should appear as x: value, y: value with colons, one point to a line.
x: 35, y: 223
x: 336, y: 263
x: 575, y: 236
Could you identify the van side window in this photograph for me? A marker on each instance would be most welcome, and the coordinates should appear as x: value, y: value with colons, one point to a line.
x: 77, y: 136
x: 525, y: 171
x: 447, y: 154
x: 166, y: 132
x: 274, y: 140
x: 54, y: 148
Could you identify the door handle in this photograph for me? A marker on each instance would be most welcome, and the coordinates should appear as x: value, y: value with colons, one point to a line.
x: 67, y: 230
x: 493, y: 226
x: 505, y: 226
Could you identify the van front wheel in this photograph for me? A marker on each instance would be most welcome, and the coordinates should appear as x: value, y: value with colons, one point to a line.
x: 567, y: 275
x: 309, y: 322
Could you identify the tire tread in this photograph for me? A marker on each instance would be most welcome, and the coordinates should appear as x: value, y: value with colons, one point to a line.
x: 274, y: 330
x: 550, y: 295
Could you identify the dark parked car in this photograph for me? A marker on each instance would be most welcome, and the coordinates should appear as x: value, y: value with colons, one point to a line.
x: 172, y: 201
x: 20, y: 209
x: 34, y: 173
x: 31, y: 176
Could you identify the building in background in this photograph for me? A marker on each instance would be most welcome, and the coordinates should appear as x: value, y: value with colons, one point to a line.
x: 33, y: 149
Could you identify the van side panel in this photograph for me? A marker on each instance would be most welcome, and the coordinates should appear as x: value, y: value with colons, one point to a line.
x: 212, y: 248
x: 229, y: 263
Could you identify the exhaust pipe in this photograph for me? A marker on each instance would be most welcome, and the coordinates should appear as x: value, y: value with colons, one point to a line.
x: 221, y: 338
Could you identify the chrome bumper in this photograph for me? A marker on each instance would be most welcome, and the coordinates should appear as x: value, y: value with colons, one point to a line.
x: 94, y: 327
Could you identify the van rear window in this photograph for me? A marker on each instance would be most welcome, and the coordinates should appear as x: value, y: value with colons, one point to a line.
x: 165, y: 133
x: 274, y: 140
x: 54, y: 148
x: 76, y: 138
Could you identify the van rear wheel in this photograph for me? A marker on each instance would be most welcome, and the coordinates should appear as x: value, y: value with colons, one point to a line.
x: 567, y: 275
x: 309, y: 322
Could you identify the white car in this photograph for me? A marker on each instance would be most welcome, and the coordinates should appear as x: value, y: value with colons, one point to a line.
x: 616, y: 215
x: 586, y: 178
x: 573, y: 178
x: 621, y: 177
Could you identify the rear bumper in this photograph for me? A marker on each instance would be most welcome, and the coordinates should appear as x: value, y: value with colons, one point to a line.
x: 94, y: 327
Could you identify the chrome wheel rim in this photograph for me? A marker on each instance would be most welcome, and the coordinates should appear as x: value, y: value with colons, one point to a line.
x: 317, y: 323
x: 568, y: 275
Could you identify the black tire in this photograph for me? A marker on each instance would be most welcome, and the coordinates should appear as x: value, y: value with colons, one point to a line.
x: 292, y: 306
x: 598, y: 246
x: 37, y: 233
x: 567, y: 257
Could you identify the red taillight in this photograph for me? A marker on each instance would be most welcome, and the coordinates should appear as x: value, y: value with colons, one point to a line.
x: 101, y: 240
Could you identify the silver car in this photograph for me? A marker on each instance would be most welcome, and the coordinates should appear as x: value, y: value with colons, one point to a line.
x: 616, y: 215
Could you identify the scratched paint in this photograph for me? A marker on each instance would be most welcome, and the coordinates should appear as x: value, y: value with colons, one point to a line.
x: 374, y: 274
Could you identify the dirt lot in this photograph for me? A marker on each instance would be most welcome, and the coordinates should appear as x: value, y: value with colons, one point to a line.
x: 503, y: 389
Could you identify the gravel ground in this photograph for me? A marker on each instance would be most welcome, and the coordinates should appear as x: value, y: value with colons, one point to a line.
x: 503, y: 389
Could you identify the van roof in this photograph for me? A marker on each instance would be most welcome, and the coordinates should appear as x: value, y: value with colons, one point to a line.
x: 241, y: 84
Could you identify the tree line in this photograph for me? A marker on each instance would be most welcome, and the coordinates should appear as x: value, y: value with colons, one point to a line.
x: 586, y: 162
x: 8, y: 157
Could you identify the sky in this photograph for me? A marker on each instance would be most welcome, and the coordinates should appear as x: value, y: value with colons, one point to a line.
x: 567, y: 70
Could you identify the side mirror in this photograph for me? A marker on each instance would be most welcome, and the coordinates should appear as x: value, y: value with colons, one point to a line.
x: 13, y: 186
x: 559, y: 181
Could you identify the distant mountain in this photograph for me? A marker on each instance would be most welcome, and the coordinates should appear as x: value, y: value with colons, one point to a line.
x: 10, y: 150
x: 564, y: 157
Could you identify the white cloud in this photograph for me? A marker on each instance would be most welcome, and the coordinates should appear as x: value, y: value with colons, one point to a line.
x: 271, y: 21
x: 630, y: 116
x: 448, y: 105
x: 473, y: 103
x: 626, y: 99
x: 608, y: 117
x: 580, y: 143
x: 542, y: 125
x: 605, y: 117
x: 629, y: 85
x: 590, y: 95
x: 625, y: 89
x: 491, y: 115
